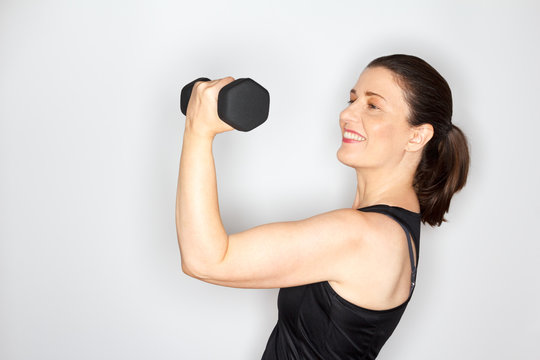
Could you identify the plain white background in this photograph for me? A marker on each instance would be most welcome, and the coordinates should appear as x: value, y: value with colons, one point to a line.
x: 90, y: 140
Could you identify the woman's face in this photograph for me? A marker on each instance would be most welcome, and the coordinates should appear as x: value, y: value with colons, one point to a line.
x: 378, y: 113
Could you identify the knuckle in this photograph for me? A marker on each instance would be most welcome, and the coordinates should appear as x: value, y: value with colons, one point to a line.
x: 201, y: 87
x: 199, y: 84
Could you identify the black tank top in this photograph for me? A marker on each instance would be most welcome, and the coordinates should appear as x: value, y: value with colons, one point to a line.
x: 315, y: 322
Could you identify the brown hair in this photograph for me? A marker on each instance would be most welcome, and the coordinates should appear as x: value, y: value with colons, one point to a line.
x: 444, y: 165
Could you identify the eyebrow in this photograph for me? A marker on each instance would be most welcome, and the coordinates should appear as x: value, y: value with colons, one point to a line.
x: 368, y: 93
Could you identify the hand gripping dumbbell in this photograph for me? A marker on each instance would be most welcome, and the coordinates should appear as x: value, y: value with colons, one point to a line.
x: 243, y: 103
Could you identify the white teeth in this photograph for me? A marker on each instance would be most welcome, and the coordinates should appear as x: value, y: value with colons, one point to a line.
x: 349, y: 135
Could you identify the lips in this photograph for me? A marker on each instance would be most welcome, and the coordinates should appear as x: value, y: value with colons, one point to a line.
x: 345, y: 140
x: 354, y: 132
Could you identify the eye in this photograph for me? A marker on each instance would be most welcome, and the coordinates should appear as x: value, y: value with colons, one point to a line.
x: 372, y: 106
x: 350, y: 102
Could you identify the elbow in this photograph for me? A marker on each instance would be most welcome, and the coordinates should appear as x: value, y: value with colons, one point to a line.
x: 193, y: 272
x: 199, y: 268
x: 188, y: 270
x: 185, y: 269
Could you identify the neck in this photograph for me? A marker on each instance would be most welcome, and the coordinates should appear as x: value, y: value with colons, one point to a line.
x: 391, y: 186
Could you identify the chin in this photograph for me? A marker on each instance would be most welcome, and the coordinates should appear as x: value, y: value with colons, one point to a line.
x: 349, y: 158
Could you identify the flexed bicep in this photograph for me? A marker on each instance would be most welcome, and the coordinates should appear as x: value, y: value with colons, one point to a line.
x: 291, y: 253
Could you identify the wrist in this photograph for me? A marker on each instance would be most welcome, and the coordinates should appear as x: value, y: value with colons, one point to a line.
x: 190, y: 132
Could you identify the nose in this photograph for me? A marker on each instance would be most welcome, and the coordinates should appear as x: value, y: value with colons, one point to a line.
x: 346, y: 117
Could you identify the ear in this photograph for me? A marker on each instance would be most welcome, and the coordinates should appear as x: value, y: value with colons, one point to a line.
x: 420, y: 135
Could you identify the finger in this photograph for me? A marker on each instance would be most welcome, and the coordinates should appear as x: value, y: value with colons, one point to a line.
x: 198, y: 83
x: 218, y: 83
x: 200, y: 86
x: 227, y: 80
x: 223, y: 81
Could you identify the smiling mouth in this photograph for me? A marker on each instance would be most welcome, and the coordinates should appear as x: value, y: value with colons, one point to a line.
x: 351, y: 137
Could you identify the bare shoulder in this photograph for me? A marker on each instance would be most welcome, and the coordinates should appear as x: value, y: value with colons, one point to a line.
x: 377, y: 276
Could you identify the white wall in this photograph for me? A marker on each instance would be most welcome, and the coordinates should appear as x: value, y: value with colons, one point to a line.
x: 90, y: 140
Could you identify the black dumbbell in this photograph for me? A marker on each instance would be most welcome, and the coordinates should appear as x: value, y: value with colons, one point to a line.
x: 243, y: 103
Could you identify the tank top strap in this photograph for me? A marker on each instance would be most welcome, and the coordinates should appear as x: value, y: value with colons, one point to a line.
x: 409, y: 242
x: 411, y: 254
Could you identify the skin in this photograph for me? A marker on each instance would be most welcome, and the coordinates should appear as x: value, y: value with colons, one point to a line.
x: 363, y: 256
x: 386, y: 161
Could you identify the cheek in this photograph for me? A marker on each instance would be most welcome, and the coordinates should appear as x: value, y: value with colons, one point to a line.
x: 386, y: 138
x: 383, y: 131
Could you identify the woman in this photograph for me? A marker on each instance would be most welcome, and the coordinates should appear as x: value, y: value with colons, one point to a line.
x: 346, y: 276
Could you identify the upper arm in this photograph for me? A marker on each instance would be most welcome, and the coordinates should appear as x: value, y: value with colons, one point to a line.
x: 291, y: 253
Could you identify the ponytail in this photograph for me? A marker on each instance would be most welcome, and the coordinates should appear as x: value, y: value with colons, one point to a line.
x: 442, y: 171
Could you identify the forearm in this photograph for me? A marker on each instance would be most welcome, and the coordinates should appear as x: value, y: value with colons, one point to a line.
x: 201, y: 235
